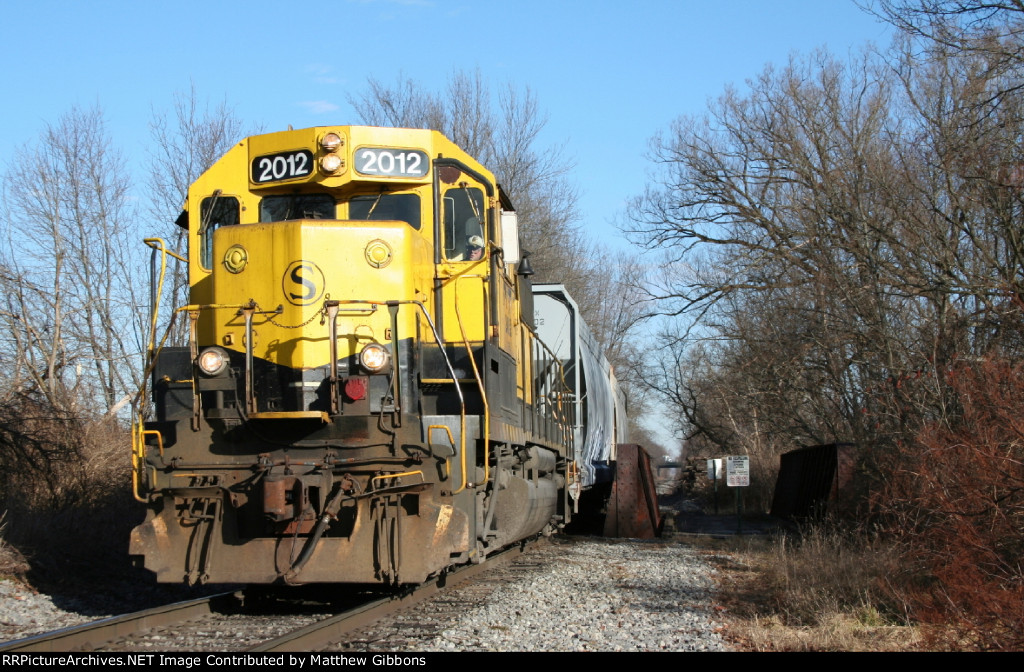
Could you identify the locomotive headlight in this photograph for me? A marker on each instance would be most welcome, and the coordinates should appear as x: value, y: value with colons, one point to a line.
x: 331, y: 142
x: 374, y: 357
x: 331, y: 163
x: 213, y: 361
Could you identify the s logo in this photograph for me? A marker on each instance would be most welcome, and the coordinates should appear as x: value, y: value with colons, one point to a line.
x: 303, y: 283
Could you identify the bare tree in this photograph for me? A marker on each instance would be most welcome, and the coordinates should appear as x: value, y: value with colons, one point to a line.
x: 956, y: 23
x: 72, y: 323
x: 830, y: 247
x: 403, y: 104
x: 72, y: 309
x: 838, y: 238
x: 187, y: 142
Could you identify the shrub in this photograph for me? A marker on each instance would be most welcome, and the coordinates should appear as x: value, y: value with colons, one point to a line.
x: 958, y: 506
x: 65, y: 492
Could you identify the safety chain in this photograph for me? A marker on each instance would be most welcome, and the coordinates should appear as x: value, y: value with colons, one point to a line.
x: 322, y: 314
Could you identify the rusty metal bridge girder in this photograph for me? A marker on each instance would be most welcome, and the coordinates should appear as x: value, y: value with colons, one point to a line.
x: 633, y: 505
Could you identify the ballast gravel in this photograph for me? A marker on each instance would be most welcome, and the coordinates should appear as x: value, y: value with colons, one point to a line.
x: 587, y: 595
x: 599, y: 596
x: 24, y: 612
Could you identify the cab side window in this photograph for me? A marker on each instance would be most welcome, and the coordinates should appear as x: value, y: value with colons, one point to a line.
x: 214, y: 212
x: 463, y: 224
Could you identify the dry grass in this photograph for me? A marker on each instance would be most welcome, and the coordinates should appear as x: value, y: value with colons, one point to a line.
x: 820, y: 591
x: 836, y: 632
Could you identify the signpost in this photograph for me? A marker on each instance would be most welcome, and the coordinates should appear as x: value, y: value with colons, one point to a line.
x: 715, y: 474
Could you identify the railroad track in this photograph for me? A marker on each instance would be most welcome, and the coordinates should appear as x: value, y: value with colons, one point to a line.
x: 223, y: 623
x: 92, y: 636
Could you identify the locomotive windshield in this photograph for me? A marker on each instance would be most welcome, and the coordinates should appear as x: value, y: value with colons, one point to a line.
x: 297, y: 206
x: 386, y: 207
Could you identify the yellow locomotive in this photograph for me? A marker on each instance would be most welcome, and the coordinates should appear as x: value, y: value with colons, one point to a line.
x: 363, y: 398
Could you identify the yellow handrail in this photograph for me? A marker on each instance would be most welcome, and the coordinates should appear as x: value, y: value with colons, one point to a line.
x: 404, y: 473
x: 483, y: 397
x: 138, y: 423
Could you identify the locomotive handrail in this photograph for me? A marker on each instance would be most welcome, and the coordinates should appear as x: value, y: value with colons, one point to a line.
x: 451, y: 439
x: 159, y: 439
x: 138, y: 424
x: 157, y: 287
x: 196, y: 308
x: 483, y: 397
x: 399, y: 475
x: 556, y: 362
x: 162, y: 247
x: 554, y: 357
x: 396, y: 379
x: 332, y: 308
x: 138, y: 457
x: 212, y: 306
x: 458, y: 389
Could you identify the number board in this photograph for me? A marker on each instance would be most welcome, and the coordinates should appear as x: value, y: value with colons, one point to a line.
x: 282, y: 166
x: 391, y: 162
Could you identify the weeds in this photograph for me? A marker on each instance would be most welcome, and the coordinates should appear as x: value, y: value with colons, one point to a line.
x: 823, y: 572
x: 820, y: 590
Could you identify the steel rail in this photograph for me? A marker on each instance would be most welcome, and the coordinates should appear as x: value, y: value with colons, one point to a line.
x: 92, y: 636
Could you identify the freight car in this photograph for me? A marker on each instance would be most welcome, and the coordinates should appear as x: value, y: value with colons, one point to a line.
x: 600, y: 405
x: 363, y: 397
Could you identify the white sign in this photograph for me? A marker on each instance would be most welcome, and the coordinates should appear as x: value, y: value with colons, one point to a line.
x: 737, y: 470
x: 715, y: 469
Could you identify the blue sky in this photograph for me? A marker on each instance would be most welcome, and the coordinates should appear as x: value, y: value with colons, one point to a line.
x: 609, y: 77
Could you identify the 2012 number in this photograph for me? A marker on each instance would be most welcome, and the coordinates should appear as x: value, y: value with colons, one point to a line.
x: 283, y: 166
x: 396, y: 163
